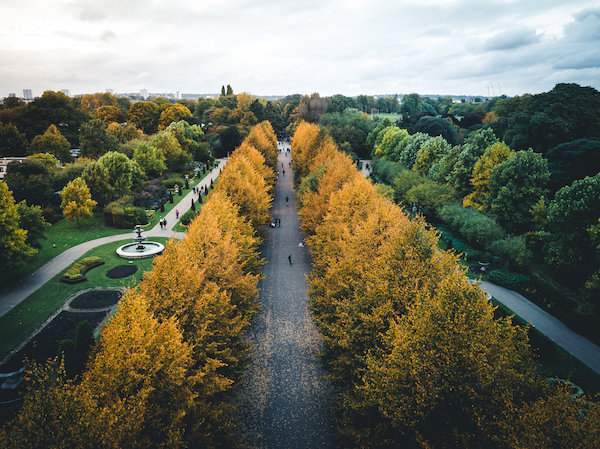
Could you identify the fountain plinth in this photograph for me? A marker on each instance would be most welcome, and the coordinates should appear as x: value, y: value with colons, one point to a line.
x: 141, y: 248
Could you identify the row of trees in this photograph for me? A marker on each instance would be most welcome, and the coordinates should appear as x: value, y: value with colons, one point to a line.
x: 420, y: 356
x: 159, y: 371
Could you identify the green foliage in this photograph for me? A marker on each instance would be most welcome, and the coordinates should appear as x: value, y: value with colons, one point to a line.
x: 571, y: 161
x: 473, y: 225
x: 188, y: 216
x: 437, y: 126
x: 95, y: 140
x: 403, y: 182
x: 515, y: 187
x: 32, y: 220
x: 172, y: 181
x: 430, y: 196
x: 12, y: 142
x: 510, y: 280
x: 30, y: 180
x: 67, y: 355
x: 408, y: 156
x: 514, y: 249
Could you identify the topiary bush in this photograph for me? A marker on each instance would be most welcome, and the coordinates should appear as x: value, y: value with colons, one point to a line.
x: 187, y: 217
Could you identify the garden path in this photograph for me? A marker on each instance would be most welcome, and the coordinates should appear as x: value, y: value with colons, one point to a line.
x: 285, y: 401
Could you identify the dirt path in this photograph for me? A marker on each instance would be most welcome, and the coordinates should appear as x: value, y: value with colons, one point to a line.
x: 285, y: 401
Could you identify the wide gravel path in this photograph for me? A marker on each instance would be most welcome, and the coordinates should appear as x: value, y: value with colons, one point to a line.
x: 285, y: 401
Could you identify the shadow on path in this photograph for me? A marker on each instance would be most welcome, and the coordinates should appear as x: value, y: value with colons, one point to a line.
x: 285, y: 400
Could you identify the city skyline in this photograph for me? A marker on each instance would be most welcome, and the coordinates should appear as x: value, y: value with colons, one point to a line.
x: 433, y: 47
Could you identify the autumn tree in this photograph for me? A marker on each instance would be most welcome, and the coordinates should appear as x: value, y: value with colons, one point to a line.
x: 13, y: 239
x: 89, y: 103
x: 262, y: 137
x: 144, y: 115
x: 77, y: 202
x: 53, y: 142
x: 172, y: 114
x: 493, y: 156
x: 109, y: 114
x: 150, y: 159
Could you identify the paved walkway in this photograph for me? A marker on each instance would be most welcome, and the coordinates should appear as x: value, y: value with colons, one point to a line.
x: 570, y: 341
x: 285, y: 401
x: 36, y: 280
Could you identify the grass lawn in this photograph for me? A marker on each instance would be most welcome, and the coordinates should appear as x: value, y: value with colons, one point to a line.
x: 24, y: 318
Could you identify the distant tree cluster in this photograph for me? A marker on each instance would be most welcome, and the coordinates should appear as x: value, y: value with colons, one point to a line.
x: 173, y: 348
x: 416, y: 348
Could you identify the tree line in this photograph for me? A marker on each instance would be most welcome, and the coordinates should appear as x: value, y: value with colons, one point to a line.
x: 420, y: 357
x: 159, y: 372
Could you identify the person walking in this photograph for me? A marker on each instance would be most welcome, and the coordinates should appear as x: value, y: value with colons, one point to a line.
x: 177, y: 214
x: 290, y: 259
x: 287, y: 200
x: 279, y: 223
x: 161, y: 224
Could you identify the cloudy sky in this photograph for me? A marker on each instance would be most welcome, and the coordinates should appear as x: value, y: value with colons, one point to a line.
x: 279, y: 47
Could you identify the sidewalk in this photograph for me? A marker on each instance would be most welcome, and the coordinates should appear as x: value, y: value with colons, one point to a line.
x: 579, y: 347
x: 36, y: 280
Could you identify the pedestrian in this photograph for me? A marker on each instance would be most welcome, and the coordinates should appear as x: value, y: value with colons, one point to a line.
x: 287, y: 200
x: 177, y: 214
x: 290, y: 259
x: 283, y: 172
x: 282, y: 165
x: 165, y: 223
x: 279, y: 222
x: 161, y: 225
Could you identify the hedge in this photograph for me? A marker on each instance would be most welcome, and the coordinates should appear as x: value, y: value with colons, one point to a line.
x: 77, y: 272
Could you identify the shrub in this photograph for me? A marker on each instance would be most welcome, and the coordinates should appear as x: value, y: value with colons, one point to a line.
x: 513, y: 281
x: 134, y: 216
x: 514, y: 249
x: 173, y: 180
x: 473, y: 225
x: 187, y: 217
x: 77, y: 272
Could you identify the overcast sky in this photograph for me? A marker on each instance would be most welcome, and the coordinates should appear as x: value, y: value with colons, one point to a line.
x: 280, y: 47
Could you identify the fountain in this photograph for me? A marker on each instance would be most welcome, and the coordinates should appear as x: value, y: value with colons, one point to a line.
x: 140, y: 249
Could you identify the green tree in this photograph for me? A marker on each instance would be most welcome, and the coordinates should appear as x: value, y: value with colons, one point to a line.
x: 14, y: 250
x: 571, y: 214
x: 12, y: 142
x: 30, y: 180
x: 52, y: 108
x: 77, y: 202
x: 119, y: 170
x: 515, y: 187
x: 437, y: 126
x: 430, y: 152
x: 339, y: 103
x: 53, y: 142
x: 32, y: 220
x: 570, y: 161
x: 95, y: 175
x: 95, y: 140
x: 151, y: 160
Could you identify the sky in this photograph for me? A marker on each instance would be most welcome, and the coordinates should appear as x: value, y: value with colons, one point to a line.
x: 282, y: 47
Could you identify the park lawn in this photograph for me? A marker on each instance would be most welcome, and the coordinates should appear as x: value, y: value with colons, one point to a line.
x: 25, y: 317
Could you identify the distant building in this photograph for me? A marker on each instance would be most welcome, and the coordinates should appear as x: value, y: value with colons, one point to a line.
x: 67, y: 92
x: 109, y: 91
x: 144, y: 93
x: 27, y: 94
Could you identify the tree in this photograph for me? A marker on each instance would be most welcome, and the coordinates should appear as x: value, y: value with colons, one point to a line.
x: 109, y: 114
x: 30, y: 180
x: 570, y: 161
x: 515, y: 186
x: 262, y: 137
x: 446, y: 371
x: 172, y: 114
x: 437, y: 126
x: 151, y: 160
x: 89, y: 103
x: 12, y: 142
x: 124, y: 133
x: 339, y: 103
x: 144, y: 115
x: 52, y: 108
x: 14, y: 250
x: 430, y: 152
x: 95, y: 140
x: 32, y: 220
x: 311, y: 108
x: 119, y: 171
x: 571, y: 214
x: 53, y: 142
x: 493, y: 156
x: 77, y: 202
x: 95, y: 176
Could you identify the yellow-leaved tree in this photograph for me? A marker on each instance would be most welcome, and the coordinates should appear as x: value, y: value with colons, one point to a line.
x: 77, y: 202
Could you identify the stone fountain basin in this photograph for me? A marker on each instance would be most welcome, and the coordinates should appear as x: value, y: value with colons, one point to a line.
x: 131, y: 251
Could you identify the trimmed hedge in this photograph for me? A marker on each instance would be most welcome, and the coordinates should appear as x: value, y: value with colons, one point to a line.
x: 77, y: 272
x: 512, y: 281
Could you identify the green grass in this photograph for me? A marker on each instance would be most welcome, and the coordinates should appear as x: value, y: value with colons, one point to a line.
x: 392, y: 116
x: 25, y: 317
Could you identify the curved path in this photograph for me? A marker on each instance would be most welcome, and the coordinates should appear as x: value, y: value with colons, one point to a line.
x: 285, y: 401
x: 36, y: 280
